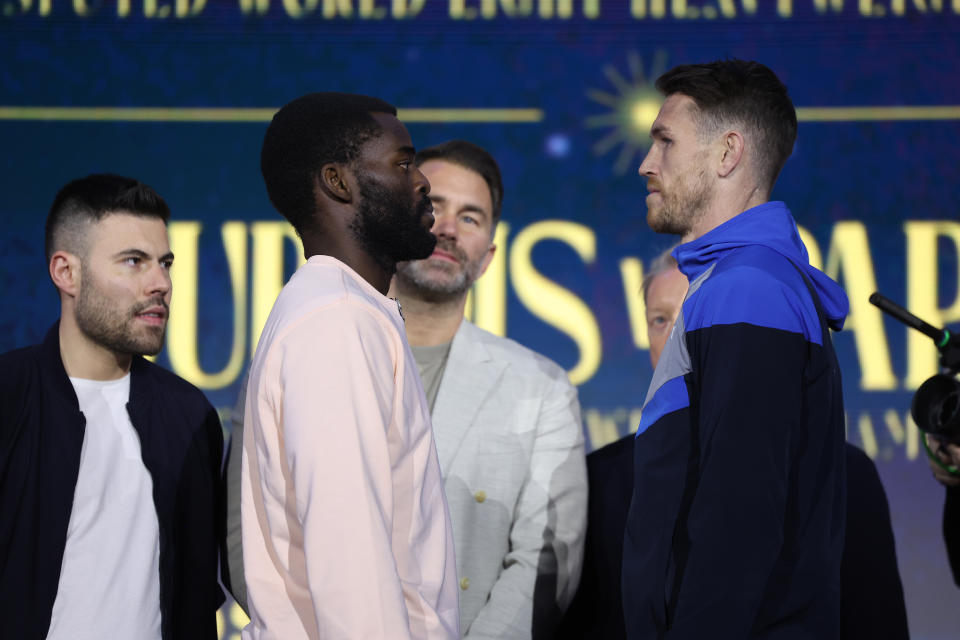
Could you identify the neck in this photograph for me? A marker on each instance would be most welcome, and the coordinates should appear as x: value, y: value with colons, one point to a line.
x: 377, y: 272
x: 84, y: 358
x: 725, y: 207
x: 429, y: 323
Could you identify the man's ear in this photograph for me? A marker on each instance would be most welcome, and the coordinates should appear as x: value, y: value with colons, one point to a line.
x: 332, y: 181
x: 731, y: 152
x: 65, y: 272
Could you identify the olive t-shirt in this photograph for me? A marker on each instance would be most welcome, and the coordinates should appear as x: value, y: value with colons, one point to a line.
x: 431, y: 361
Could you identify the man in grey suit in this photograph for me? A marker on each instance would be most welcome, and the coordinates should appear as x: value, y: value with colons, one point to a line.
x: 506, y: 420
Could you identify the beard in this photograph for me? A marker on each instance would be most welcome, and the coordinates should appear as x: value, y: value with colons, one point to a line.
x: 114, y: 328
x: 682, y: 206
x: 439, y: 280
x: 388, y: 226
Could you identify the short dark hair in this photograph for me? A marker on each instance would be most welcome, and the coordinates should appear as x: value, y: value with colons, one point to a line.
x: 307, y: 133
x: 88, y: 200
x: 476, y: 159
x: 743, y: 92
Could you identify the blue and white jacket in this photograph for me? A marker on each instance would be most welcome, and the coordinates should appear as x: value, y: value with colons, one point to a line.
x: 736, y: 526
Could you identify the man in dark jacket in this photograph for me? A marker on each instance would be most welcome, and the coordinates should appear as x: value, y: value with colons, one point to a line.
x: 737, y: 520
x: 109, y: 489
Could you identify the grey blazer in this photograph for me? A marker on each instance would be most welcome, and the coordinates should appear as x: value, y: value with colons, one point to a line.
x: 510, y: 442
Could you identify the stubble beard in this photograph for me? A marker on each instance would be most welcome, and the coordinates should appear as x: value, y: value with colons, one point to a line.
x: 112, y: 327
x: 439, y: 281
x: 683, y: 207
x: 387, y: 227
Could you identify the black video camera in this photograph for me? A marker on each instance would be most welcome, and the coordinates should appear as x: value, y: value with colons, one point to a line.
x: 936, y: 404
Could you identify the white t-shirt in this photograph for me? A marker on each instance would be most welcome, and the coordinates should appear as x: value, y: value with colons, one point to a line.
x: 110, y: 576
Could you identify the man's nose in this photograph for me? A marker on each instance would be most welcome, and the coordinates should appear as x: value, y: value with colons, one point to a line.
x: 158, y: 280
x: 647, y: 166
x: 420, y: 183
x: 444, y: 224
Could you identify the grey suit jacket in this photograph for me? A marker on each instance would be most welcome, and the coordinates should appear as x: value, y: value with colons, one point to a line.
x: 510, y: 441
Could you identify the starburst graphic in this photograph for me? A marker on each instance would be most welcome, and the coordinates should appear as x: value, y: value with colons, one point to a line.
x: 633, y: 108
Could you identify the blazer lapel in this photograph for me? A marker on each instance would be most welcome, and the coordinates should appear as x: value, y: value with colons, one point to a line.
x: 468, y: 380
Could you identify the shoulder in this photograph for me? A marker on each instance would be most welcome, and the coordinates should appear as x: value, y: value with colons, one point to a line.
x: 19, y: 371
x: 171, y: 385
x: 754, y: 286
x: 522, y: 360
x: 13, y: 364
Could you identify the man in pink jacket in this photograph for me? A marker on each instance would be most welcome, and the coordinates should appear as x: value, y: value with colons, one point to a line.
x: 346, y: 532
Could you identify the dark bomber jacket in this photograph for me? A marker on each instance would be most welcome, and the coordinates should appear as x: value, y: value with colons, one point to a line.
x: 41, y: 434
x: 737, y: 522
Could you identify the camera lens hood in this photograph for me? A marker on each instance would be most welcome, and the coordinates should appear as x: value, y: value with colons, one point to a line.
x: 936, y: 406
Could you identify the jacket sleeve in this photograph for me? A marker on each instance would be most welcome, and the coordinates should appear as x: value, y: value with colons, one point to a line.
x: 749, y: 379
x: 541, y: 571
x: 233, y: 554
x: 335, y: 395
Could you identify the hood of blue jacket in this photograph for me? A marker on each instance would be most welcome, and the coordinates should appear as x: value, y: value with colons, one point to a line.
x: 770, y: 225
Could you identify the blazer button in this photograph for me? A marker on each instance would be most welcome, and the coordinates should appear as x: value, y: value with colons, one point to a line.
x: 464, y: 583
x: 480, y: 496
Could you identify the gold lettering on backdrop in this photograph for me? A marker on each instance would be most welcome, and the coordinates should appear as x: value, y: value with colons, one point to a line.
x: 123, y: 8
x: 822, y: 5
x: 923, y: 238
x: 604, y: 427
x: 813, y: 249
x: 269, y: 240
x: 182, y: 335
x: 404, y: 9
x: 43, y: 6
x: 639, y: 8
x: 186, y: 8
x: 487, y: 299
x: 850, y: 254
x: 867, y: 435
x: 368, y: 10
x: 728, y: 9
x: 460, y: 11
x: 510, y: 8
x: 563, y: 8
x: 631, y: 272
x: 601, y: 428
x: 297, y: 9
x: 80, y: 8
x: 153, y: 9
x: 249, y: 6
x: 903, y: 431
x: 551, y: 302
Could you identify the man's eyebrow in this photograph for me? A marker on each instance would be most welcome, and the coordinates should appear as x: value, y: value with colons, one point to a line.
x: 139, y: 253
x: 658, y: 130
x: 126, y: 253
x: 474, y: 208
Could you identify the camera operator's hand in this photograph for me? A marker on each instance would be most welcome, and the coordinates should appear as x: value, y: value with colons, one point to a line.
x: 947, y: 453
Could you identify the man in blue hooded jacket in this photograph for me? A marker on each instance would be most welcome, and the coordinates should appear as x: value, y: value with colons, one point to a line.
x: 737, y: 520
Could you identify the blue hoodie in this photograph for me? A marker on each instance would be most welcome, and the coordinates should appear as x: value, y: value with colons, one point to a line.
x: 736, y: 525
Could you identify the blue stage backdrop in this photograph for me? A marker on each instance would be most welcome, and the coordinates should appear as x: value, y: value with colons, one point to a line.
x: 178, y: 93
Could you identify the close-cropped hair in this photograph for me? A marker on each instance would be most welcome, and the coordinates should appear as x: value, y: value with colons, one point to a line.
x: 87, y: 200
x: 744, y: 93
x: 476, y: 159
x: 661, y: 264
x: 307, y: 133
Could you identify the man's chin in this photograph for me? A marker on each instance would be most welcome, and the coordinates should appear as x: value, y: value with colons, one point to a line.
x: 418, y: 248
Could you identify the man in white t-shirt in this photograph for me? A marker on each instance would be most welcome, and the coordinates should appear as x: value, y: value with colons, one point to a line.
x: 108, y: 464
